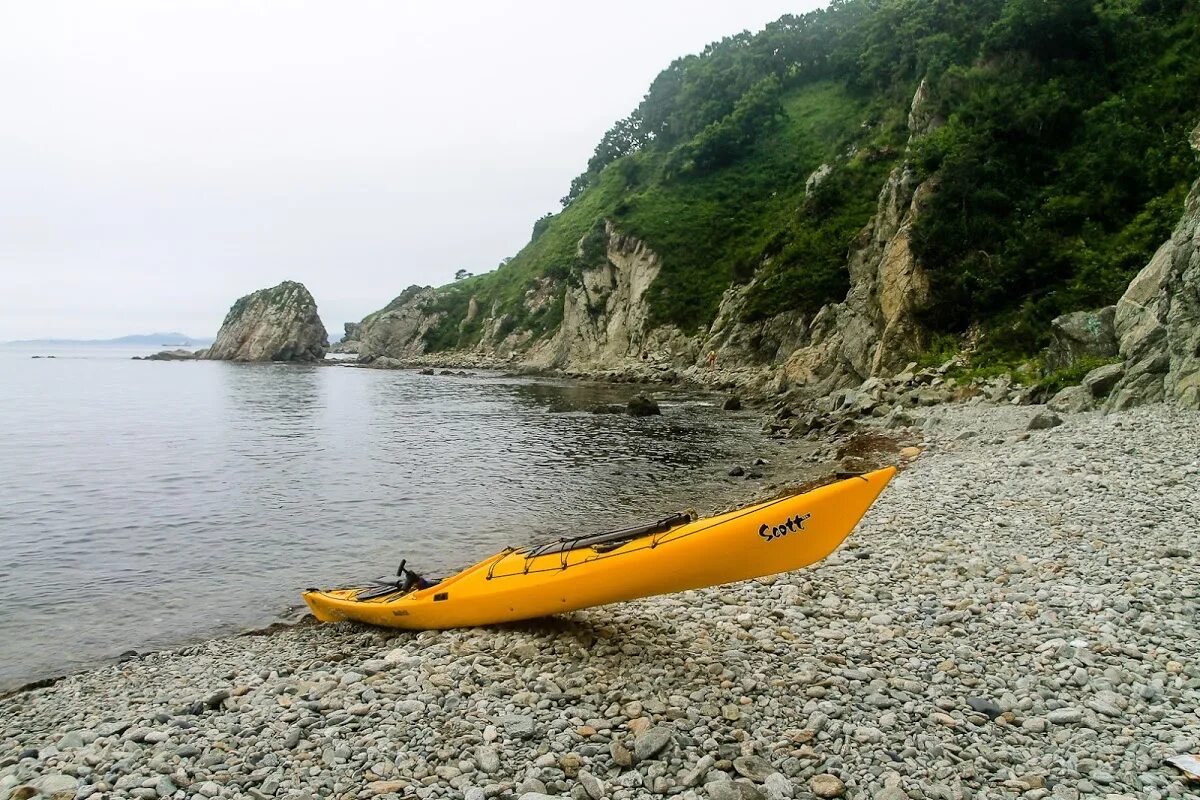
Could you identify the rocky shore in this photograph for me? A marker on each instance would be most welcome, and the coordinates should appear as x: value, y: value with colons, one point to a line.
x: 1014, y: 618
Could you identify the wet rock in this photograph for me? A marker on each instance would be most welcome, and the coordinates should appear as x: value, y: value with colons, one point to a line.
x: 642, y: 406
x: 172, y: 355
x: 733, y: 403
x: 608, y: 408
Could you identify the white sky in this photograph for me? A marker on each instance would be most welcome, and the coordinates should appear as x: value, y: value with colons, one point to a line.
x: 159, y: 159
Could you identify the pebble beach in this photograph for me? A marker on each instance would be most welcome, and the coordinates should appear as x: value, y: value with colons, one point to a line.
x: 1015, y: 618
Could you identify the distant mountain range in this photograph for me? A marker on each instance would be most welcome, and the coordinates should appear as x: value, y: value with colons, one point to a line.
x: 170, y: 339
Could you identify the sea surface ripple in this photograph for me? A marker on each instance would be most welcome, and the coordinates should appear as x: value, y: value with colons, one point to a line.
x: 148, y: 504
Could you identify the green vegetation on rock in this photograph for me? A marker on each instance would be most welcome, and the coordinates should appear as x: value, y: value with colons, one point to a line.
x: 1058, y: 163
x: 1057, y: 380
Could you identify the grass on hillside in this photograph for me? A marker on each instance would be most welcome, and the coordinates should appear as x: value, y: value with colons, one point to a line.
x: 715, y: 228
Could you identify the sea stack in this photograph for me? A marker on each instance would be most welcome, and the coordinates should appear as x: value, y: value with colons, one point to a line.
x: 276, y: 324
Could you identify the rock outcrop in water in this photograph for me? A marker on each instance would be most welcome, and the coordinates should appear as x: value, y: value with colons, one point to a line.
x: 172, y: 355
x: 276, y: 324
x: 1158, y: 319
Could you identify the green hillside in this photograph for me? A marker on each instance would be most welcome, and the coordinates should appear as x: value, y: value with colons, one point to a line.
x: 1062, y: 164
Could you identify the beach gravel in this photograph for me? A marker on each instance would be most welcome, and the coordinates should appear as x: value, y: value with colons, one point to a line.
x: 1016, y: 617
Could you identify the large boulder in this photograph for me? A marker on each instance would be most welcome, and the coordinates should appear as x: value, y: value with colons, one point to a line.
x: 1082, y: 335
x: 276, y: 324
x: 1158, y: 319
x: 1100, y: 381
x: 1072, y: 400
x: 642, y: 406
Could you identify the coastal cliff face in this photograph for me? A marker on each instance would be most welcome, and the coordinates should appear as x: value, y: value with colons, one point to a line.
x: 605, y: 316
x: 607, y: 321
x: 276, y: 324
x: 876, y: 329
x: 607, y: 325
x: 1158, y: 319
x: 825, y: 201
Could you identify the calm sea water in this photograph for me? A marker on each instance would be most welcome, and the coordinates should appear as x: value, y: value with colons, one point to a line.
x: 148, y: 504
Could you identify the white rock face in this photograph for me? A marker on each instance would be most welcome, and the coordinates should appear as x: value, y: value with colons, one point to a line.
x: 276, y: 324
x: 606, y: 317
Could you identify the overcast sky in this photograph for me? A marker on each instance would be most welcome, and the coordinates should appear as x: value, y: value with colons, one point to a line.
x: 160, y: 159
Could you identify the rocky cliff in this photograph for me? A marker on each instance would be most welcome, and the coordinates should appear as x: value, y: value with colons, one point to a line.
x: 605, y: 319
x: 276, y: 324
x: 606, y: 323
x: 813, y: 206
x: 1158, y: 319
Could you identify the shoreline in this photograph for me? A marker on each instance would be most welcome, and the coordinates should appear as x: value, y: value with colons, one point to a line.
x: 1022, y: 642
x: 880, y: 450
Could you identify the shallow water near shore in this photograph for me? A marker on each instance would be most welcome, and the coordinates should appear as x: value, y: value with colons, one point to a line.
x: 149, y: 504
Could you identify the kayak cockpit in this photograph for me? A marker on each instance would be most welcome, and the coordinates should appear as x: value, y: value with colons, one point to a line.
x: 403, y: 582
x: 602, y: 542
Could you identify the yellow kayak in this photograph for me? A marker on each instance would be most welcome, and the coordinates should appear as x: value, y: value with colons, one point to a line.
x: 672, y: 555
